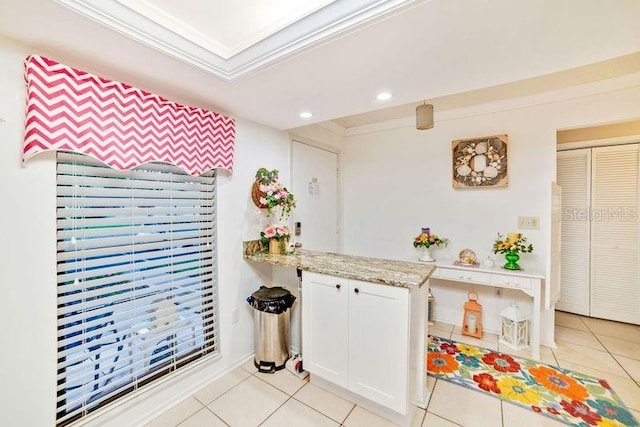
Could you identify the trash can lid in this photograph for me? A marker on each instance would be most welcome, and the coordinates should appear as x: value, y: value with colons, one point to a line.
x: 271, y: 300
x: 270, y: 294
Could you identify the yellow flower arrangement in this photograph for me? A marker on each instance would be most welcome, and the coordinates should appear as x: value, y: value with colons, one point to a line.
x: 514, y: 242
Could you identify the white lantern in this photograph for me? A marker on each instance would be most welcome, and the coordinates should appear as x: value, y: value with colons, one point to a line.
x: 515, y: 328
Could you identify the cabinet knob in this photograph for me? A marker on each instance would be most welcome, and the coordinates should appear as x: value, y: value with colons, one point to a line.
x: 338, y: 286
x: 356, y: 290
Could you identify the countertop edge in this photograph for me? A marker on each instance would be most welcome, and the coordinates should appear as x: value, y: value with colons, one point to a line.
x: 295, y: 261
x: 371, y: 279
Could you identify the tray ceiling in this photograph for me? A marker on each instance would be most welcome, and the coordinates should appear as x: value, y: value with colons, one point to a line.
x: 231, y: 38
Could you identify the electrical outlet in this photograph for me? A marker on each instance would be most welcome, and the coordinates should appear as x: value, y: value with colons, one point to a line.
x: 235, y: 316
x: 529, y: 222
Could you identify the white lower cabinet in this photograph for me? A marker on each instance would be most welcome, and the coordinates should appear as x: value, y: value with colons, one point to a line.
x: 325, y: 326
x: 356, y: 335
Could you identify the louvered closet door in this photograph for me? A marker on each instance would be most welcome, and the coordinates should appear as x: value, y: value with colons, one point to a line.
x: 615, y: 292
x: 573, y: 176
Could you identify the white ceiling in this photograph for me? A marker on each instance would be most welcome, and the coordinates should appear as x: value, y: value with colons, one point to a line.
x: 232, y: 26
x: 415, y: 49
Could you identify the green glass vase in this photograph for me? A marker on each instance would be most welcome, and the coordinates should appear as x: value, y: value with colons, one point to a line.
x: 512, y: 258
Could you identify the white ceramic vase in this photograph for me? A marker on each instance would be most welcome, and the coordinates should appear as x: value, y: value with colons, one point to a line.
x: 426, y: 256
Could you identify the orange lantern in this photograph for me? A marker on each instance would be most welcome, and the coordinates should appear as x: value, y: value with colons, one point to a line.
x: 472, y: 317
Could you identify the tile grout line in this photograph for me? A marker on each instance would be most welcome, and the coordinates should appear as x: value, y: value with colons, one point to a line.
x: 424, y: 416
x: 210, y: 410
x: 217, y: 416
x: 437, y: 415
x: 442, y: 418
x: 594, y: 335
x: 232, y: 387
x: 608, y: 335
x: 345, y: 418
x: 316, y: 410
x: 611, y: 354
x: 276, y: 410
x: 278, y: 388
x: 431, y: 392
x: 289, y: 396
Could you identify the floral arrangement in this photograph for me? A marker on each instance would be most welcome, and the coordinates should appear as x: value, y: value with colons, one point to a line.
x: 273, y: 193
x: 274, y: 231
x: 515, y: 242
x: 425, y: 239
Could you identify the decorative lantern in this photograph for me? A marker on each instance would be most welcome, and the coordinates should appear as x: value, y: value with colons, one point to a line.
x: 472, y: 317
x: 515, y: 328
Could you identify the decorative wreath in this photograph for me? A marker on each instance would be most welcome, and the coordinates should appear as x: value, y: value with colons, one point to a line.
x: 268, y: 193
x: 256, y: 194
x: 480, y: 162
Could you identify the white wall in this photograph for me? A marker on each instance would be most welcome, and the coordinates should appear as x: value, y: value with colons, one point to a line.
x: 398, y: 180
x: 28, y: 266
x: 401, y: 178
x: 27, y: 263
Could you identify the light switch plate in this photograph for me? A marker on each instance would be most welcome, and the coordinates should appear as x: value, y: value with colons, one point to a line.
x: 529, y: 222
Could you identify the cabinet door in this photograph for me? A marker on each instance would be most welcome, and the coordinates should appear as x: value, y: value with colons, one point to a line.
x: 379, y: 343
x: 325, y: 326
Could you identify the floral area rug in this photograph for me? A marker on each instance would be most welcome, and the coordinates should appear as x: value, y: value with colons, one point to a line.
x: 567, y: 396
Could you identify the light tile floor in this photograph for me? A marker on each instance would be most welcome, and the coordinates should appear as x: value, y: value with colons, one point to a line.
x: 245, y: 397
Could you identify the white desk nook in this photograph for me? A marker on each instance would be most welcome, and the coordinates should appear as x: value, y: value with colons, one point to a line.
x: 529, y: 282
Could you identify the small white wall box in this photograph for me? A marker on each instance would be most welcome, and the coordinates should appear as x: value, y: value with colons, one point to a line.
x: 515, y: 328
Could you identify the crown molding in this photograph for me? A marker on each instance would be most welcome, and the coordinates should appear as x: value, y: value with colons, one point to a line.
x: 143, y: 22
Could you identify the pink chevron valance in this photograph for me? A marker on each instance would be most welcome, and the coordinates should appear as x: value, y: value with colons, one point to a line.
x: 123, y: 127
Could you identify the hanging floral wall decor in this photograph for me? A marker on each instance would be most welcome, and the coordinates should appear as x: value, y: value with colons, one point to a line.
x: 268, y: 193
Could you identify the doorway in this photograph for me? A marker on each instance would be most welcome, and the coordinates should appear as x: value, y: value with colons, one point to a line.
x: 314, y: 174
x: 600, y: 233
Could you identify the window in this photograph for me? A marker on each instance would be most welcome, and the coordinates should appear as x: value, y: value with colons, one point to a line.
x: 137, y: 293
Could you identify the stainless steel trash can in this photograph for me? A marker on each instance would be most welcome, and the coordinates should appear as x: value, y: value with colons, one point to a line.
x: 271, y: 325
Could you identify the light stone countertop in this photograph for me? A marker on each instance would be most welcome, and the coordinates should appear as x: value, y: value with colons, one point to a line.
x: 376, y: 270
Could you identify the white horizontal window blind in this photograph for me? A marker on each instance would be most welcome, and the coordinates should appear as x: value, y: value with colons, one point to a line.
x: 137, y: 293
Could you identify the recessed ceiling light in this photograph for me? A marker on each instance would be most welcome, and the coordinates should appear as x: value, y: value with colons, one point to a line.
x: 306, y: 115
x: 384, y: 96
